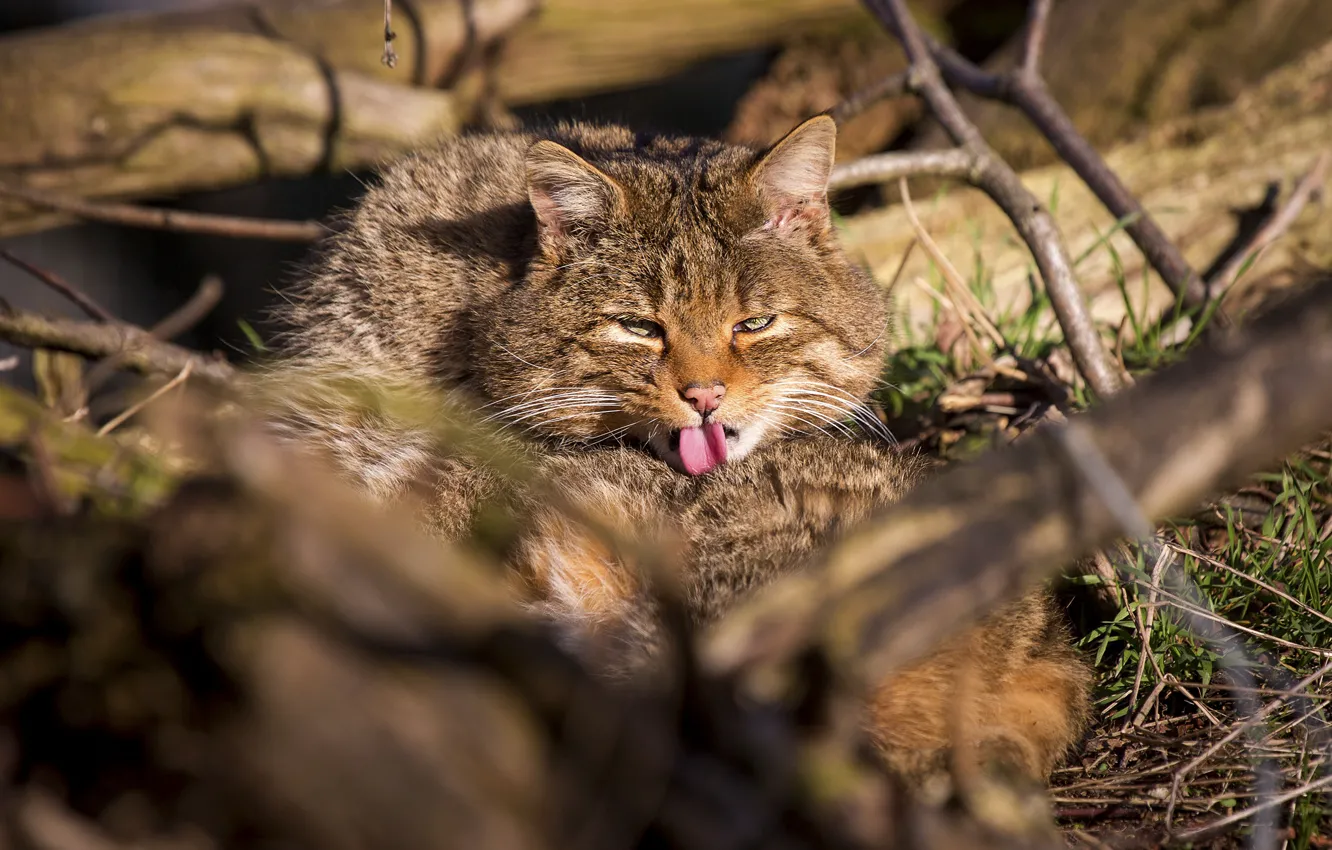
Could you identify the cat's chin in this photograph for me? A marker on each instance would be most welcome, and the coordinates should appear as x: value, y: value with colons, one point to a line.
x: 740, y: 441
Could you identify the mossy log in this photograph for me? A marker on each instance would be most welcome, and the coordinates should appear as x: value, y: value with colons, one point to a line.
x: 1194, y: 175
x: 153, y: 105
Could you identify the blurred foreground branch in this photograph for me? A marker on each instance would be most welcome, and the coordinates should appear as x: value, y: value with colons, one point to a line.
x: 974, y: 537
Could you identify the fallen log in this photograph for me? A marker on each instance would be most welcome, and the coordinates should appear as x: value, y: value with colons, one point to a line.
x: 145, y: 105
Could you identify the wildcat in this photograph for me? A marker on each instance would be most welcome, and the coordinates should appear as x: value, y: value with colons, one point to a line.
x: 668, y: 328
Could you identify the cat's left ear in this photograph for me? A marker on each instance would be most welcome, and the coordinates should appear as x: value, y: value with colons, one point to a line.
x: 792, y: 177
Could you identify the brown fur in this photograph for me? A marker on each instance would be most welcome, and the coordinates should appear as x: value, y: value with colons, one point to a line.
x: 517, y: 271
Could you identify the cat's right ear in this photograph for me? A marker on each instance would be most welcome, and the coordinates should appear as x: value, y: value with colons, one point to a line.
x: 568, y: 194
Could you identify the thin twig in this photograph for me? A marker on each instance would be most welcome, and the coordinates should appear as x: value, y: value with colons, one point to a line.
x: 175, y: 221
x: 1309, y: 185
x: 64, y: 287
x: 1245, y: 814
x: 193, y: 311
x: 857, y: 102
x: 901, y: 267
x: 184, y: 317
x: 994, y: 177
x: 968, y: 305
x: 142, y: 352
x: 1248, y: 723
x: 1029, y: 94
x: 390, y: 55
x: 1033, y: 46
x: 125, y: 414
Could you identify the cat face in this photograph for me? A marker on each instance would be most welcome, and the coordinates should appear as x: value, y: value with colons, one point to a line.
x: 690, y: 297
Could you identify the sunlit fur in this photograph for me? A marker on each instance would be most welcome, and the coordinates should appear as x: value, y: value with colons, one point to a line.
x: 499, y: 269
x: 445, y: 274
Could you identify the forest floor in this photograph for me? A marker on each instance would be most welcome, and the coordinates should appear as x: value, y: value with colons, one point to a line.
x: 1172, y: 746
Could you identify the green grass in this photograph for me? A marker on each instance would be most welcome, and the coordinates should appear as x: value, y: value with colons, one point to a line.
x: 1266, y: 569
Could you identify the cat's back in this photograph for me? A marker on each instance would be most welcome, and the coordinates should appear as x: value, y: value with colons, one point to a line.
x: 435, y: 237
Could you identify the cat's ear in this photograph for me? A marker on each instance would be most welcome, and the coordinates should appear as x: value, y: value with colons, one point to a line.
x: 568, y: 193
x: 792, y: 177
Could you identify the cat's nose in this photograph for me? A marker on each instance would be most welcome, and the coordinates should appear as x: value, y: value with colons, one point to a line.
x: 704, y: 399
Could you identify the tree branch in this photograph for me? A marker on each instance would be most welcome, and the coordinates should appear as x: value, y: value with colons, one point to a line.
x: 1033, y: 46
x: 1305, y: 189
x: 858, y: 102
x: 997, y: 180
x: 970, y: 539
x: 1026, y: 90
x: 64, y: 287
x: 886, y: 167
x: 133, y: 347
x: 171, y: 220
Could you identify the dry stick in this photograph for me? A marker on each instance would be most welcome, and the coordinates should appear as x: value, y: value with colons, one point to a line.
x: 1241, y: 728
x: 64, y: 287
x: 884, y: 167
x: 193, y: 311
x: 170, y: 220
x: 1038, y: 17
x: 1304, y: 190
x: 961, y: 294
x: 1245, y: 814
x: 857, y: 102
x: 125, y: 414
x: 140, y: 350
x: 184, y: 317
x: 390, y: 55
x: 1026, y: 90
x: 996, y: 179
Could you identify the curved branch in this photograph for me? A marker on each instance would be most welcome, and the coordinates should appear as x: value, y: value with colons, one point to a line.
x: 993, y: 176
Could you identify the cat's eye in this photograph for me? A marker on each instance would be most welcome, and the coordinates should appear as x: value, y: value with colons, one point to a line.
x: 642, y: 327
x: 754, y: 324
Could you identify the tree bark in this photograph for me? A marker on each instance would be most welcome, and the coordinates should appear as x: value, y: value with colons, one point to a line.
x: 160, y: 104
x: 580, y: 47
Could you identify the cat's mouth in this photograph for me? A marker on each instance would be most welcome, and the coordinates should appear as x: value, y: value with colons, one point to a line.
x: 702, y: 448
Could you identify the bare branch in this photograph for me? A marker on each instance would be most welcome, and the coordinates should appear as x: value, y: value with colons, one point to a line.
x: 997, y: 180
x: 886, y: 167
x: 64, y: 287
x: 1304, y: 190
x: 134, y: 347
x: 131, y: 215
x: 858, y: 102
x: 189, y: 314
x: 390, y: 55
x: 1028, y: 92
x: 1038, y: 20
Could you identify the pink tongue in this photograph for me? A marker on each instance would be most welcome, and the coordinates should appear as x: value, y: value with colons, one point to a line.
x: 702, y: 448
